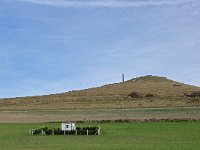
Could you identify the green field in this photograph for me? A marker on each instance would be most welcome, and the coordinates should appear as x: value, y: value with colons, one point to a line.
x: 98, y: 114
x: 161, y: 136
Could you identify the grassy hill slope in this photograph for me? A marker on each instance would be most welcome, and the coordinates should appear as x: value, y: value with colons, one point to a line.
x: 147, y: 91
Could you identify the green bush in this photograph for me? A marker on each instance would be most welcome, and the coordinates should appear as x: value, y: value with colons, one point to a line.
x: 58, y: 131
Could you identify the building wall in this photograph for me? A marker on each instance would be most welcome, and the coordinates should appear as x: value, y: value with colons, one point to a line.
x: 68, y: 126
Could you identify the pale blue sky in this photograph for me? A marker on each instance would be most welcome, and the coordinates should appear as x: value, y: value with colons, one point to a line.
x: 53, y: 46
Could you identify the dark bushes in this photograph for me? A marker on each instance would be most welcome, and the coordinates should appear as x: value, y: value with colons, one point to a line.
x: 37, y: 131
x: 58, y: 131
x: 138, y: 95
x: 149, y: 95
x: 134, y: 95
x: 91, y: 130
x: 193, y: 94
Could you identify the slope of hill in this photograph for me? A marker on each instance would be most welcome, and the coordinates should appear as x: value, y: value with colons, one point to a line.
x: 147, y: 91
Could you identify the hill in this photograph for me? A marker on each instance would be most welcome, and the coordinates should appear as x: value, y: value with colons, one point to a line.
x: 147, y: 91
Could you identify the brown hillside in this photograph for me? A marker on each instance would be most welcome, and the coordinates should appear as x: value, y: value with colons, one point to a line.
x: 147, y: 91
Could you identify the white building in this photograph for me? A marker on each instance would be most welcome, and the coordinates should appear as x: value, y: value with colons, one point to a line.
x: 69, y: 126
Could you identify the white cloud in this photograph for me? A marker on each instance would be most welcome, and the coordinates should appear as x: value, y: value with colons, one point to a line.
x: 107, y: 3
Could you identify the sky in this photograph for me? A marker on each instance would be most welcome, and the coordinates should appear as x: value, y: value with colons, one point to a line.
x: 54, y: 46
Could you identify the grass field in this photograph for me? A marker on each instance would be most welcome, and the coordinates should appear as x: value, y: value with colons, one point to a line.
x: 98, y: 114
x: 132, y: 136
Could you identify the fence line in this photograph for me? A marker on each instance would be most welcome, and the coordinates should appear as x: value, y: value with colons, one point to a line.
x: 84, y: 131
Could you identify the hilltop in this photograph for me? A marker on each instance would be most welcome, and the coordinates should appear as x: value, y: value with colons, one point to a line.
x: 146, y: 91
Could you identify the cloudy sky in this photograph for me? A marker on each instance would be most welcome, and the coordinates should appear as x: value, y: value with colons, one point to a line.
x: 53, y: 46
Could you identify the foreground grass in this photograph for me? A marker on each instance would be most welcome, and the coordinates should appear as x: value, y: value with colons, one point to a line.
x: 161, y: 136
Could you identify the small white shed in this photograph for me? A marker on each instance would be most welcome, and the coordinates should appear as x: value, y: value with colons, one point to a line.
x: 69, y: 126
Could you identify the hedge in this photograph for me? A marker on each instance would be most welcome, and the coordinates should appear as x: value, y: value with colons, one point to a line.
x: 58, y: 131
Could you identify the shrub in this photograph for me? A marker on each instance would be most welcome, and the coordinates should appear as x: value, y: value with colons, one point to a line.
x: 81, y: 132
x: 78, y: 128
x: 193, y: 94
x: 37, y: 131
x: 149, y: 95
x: 70, y: 132
x: 58, y: 131
x: 134, y: 95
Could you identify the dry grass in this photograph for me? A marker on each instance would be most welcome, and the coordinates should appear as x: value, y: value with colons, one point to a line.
x: 138, y: 114
x: 166, y: 93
